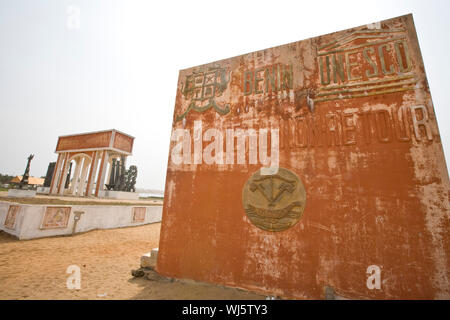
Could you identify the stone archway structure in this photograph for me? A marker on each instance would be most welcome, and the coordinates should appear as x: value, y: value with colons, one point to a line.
x: 92, y: 153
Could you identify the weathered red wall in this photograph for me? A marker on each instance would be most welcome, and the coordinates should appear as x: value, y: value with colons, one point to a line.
x: 95, y: 140
x: 377, y: 192
x: 84, y: 141
x: 123, y: 142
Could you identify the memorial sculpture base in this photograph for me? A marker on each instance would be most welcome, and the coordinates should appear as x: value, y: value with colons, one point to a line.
x: 43, y: 190
x: 21, y: 193
x: 120, y: 195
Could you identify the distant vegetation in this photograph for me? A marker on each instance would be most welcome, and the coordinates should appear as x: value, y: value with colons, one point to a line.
x: 4, y: 178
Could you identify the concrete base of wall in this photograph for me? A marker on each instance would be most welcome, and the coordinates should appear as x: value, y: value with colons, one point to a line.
x: 119, y: 195
x: 26, y: 221
x: 19, y: 193
x: 148, y: 260
x: 43, y: 190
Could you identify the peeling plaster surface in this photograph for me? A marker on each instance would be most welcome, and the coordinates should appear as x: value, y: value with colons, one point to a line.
x: 362, y: 136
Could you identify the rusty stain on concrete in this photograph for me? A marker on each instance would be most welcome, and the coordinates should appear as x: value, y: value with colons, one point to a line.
x: 357, y: 125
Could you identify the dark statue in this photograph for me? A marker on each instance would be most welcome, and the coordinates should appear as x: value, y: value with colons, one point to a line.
x: 131, y: 179
x: 121, y: 179
x: 112, y: 176
x: 68, y: 176
x: 123, y: 175
x: 24, y: 182
x: 49, y: 175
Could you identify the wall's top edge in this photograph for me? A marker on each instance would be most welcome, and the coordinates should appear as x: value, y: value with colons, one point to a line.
x: 289, y: 43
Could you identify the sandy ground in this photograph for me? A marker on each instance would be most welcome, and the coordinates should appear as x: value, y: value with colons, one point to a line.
x: 36, y: 269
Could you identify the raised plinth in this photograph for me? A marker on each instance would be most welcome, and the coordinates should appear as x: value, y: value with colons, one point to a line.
x: 20, y: 193
x: 43, y: 190
x: 30, y: 221
x: 120, y: 195
x: 148, y: 260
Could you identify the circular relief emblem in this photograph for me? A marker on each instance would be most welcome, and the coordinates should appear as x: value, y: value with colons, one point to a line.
x: 274, y: 202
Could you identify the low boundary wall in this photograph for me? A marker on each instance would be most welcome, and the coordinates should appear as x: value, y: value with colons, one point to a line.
x: 27, y: 221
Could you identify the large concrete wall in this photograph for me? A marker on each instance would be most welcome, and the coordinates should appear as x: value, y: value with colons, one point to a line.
x: 362, y: 138
x: 29, y: 221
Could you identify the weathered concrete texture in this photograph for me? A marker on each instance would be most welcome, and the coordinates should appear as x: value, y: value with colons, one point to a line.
x: 120, y: 195
x: 43, y: 190
x: 37, y: 221
x: 357, y: 126
x: 19, y: 193
x: 148, y: 260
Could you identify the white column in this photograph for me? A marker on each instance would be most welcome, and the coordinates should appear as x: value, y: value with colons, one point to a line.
x: 63, y: 177
x: 102, y: 174
x: 57, y: 170
x: 76, y: 176
x: 92, y: 173
x: 109, y: 170
x: 84, y: 173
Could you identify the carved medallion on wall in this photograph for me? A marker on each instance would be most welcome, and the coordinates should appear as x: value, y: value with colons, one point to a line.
x: 274, y: 202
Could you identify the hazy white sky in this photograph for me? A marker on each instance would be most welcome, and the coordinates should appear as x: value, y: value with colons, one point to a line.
x: 119, y: 69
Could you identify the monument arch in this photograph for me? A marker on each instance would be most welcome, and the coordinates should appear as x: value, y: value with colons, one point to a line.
x: 92, y: 153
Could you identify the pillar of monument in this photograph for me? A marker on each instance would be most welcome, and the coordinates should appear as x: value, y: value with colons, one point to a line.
x: 76, y: 175
x: 102, y: 173
x: 60, y: 172
x: 63, y: 177
x: 55, y: 178
x: 84, y: 173
x: 92, y: 172
x: 109, y: 169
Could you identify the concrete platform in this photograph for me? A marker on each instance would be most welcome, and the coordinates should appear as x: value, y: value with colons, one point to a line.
x: 43, y: 190
x: 148, y: 260
x: 50, y: 199
x: 20, y: 193
x: 119, y: 195
x: 29, y: 221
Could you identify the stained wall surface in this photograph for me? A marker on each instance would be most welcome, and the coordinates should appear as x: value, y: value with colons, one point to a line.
x: 109, y: 139
x: 357, y: 127
x: 37, y: 221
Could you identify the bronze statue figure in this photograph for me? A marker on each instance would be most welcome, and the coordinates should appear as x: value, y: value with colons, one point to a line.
x: 24, y: 182
x: 121, y: 179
